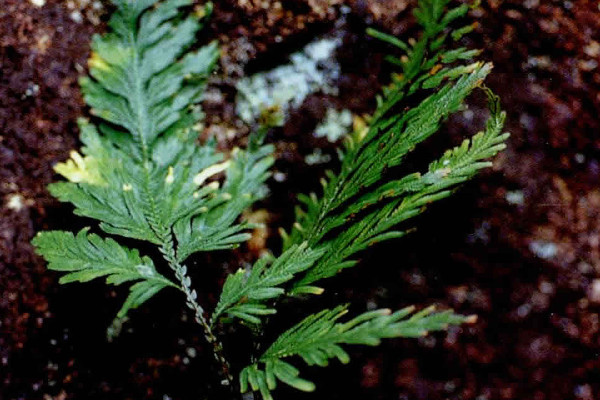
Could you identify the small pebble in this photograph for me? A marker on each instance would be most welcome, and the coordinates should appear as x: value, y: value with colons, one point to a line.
x: 546, y: 287
x: 583, y: 392
x: 515, y: 197
x: 191, y: 352
x: 279, y: 177
x: 594, y: 291
x: 15, y: 202
x: 77, y: 17
x: 542, y: 249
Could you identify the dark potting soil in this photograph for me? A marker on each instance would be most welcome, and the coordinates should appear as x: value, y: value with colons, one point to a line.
x: 519, y: 246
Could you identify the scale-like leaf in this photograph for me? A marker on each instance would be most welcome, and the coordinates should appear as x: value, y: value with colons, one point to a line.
x: 405, y: 198
x: 141, y: 173
x: 87, y: 256
x: 318, y: 337
x: 360, y: 205
x: 245, y: 292
x: 215, y: 228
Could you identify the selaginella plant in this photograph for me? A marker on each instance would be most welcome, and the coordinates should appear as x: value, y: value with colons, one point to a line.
x: 144, y: 177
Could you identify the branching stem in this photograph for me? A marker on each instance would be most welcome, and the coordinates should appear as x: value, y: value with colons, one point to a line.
x: 162, y: 232
x: 191, y: 301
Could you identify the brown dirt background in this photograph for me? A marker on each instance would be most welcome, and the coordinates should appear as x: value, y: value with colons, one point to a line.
x: 538, y: 331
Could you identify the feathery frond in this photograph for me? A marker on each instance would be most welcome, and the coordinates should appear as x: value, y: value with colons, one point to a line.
x: 360, y: 207
x: 345, y: 220
x: 244, y: 293
x: 141, y: 174
x: 215, y: 228
x: 318, y: 337
x: 405, y: 198
x: 87, y: 256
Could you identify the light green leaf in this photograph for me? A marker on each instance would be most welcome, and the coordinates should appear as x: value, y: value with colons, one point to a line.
x: 245, y: 293
x: 318, y: 338
x: 215, y: 228
x: 87, y: 256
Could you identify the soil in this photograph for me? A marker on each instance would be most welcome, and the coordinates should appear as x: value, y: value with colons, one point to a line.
x: 519, y: 246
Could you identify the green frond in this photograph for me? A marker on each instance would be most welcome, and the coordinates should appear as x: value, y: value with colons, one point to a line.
x: 87, y: 256
x: 144, y: 87
x: 113, y: 196
x: 245, y: 292
x: 371, y: 218
x: 141, y: 173
x: 359, y: 207
x: 318, y: 338
x: 215, y: 227
x: 424, y: 57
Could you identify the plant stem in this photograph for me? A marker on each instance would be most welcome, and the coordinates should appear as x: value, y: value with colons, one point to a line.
x: 191, y: 301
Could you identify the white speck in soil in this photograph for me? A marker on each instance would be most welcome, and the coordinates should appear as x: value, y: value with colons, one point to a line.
x: 335, y: 126
x: 191, y: 352
x: 523, y: 310
x: 279, y: 177
x: 317, y: 157
x: 468, y: 115
x: 594, y: 291
x: 450, y: 386
x: 515, y: 197
x: 531, y: 3
x: 428, y: 341
x: 417, y: 279
x: 32, y: 90
x: 77, y: 17
x: 15, y: 202
x: 528, y: 122
x: 546, y: 287
x: 543, y: 249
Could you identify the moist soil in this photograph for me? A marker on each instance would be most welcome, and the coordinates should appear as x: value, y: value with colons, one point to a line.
x: 519, y: 246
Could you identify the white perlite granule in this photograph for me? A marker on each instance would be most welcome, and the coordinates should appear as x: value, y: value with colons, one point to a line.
x: 15, y: 202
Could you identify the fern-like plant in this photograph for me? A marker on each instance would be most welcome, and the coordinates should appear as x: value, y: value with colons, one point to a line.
x: 143, y: 176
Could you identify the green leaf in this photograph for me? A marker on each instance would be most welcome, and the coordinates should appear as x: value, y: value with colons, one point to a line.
x: 137, y: 174
x: 106, y: 187
x: 137, y: 177
x: 318, y: 338
x: 87, y: 256
x: 245, y: 292
x: 215, y: 228
x: 361, y: 206
x: 141, y: 81
x: 397, y: 201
